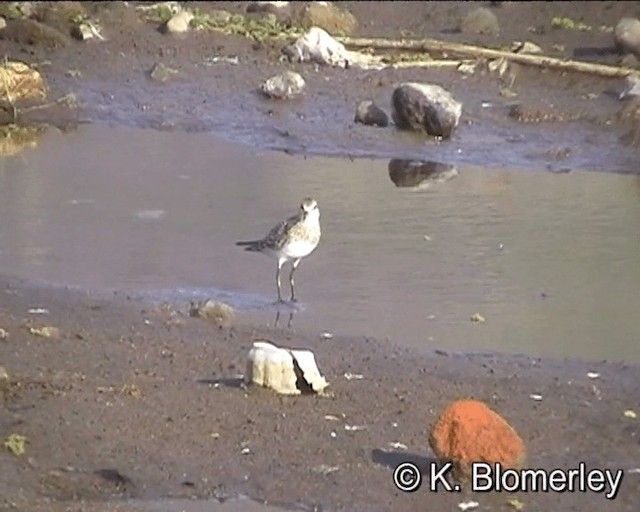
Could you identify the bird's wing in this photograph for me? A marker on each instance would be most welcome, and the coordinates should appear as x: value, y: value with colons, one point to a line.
x: 277, y: 236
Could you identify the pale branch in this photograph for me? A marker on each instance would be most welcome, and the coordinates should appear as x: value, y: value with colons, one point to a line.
x: 434, y: 45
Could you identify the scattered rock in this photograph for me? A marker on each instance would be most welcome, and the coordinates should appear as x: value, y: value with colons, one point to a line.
x: 469, y: 431
x: 3, y: 22
x: 627, y: 36
x: 3, y: 334
x: 285, y: 85
x: 5, y: 382
x: 46, y: 332
x: 34, y: 33
x: 161, y: 73
x: 526, y: 47
x: 632, y: 87
x: 480, y: 21
x: 86, y: 31
x: 20, y: 81
x: 630, y: 61
x: 629, y: 114
x: 219, y: 312
x: 285, y: 371
x: 281, y: 10
x: 328, y: 16
x: 318, y: 46
x: 179, y: 22
x: 367, y: 112
x: 428, y: 107
x: 419, y: 174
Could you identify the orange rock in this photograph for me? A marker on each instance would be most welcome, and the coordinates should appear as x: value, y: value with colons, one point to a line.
x: 468, y: 431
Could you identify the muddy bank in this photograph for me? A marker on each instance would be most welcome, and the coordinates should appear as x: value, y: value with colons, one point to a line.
x: 137, y: 402
x: 528, y: 118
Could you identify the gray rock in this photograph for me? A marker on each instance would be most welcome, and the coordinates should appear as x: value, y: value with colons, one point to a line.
x: 367, y: 112
x: 427, y: 107
x: 632, y: 87
x: 627, y: 36
x: 285, y: 85
x: 82, y: 32
x: 419, y: 173
x: 5, y: 382
x: 179, y: 22
x: 480, y: 21
x: 161, y: 73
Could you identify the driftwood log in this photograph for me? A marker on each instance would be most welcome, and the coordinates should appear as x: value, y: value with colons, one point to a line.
x: 434, y: 45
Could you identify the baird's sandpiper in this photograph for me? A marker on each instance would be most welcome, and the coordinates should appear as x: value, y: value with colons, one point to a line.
x: 291, y: 239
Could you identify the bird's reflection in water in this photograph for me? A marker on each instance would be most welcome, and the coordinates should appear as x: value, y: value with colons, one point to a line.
x: 289, y: 321
x: 419, y: 173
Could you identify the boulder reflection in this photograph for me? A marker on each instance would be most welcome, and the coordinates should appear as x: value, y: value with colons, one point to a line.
x: 419, y: 173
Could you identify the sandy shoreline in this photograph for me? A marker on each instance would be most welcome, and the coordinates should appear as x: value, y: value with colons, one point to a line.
x: 155, y: 398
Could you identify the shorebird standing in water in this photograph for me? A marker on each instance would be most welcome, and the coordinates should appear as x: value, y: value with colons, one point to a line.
x: 291, y: 239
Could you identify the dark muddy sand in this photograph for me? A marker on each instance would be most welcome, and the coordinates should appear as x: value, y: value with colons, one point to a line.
x: 136, y: 407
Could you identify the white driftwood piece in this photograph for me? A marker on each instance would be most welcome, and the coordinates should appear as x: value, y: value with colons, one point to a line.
x: 273, y: 367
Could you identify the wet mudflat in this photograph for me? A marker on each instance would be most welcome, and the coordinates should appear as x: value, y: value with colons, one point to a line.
x: 409, y: 253
x: 108, y: 230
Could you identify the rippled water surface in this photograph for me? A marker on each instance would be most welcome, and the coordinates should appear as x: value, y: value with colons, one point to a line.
x: 409, y: 251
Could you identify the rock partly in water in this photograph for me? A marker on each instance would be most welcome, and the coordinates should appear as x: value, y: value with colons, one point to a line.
x: 469, y: 431
x: 285, y: 85
x: 420, y: 174
x: 161, y: 73
x: 367, y: 112
x: 285, y: 371
x: 627, y: 36
x: 179, y: 22
x: 327, y: 16
x: 480, y: 21
x: 316, y: 45
x: 218, y: 312
x: 428, y: 107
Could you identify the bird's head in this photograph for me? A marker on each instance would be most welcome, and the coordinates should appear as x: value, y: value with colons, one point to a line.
x: 309, y: 206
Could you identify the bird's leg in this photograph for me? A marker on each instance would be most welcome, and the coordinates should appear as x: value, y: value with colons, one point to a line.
x: 293, y: 269
x: 280, y: 262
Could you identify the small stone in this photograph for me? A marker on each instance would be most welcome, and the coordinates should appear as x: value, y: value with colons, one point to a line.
x: 3, y: 22
x: 4, y: 378
x: 161, y: 73
x: 368, y: 113
x: 632, y: 87
x: 285, y: 85
x: 469, y: 431
x: 219, y: 312
x: 428, y: 107
x: 626, y: 36
x: 83, y: 32
x: 480, y: 21
x: 179, y: 22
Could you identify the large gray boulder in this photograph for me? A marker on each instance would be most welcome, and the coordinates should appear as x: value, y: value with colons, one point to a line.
x: 425, y: 107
